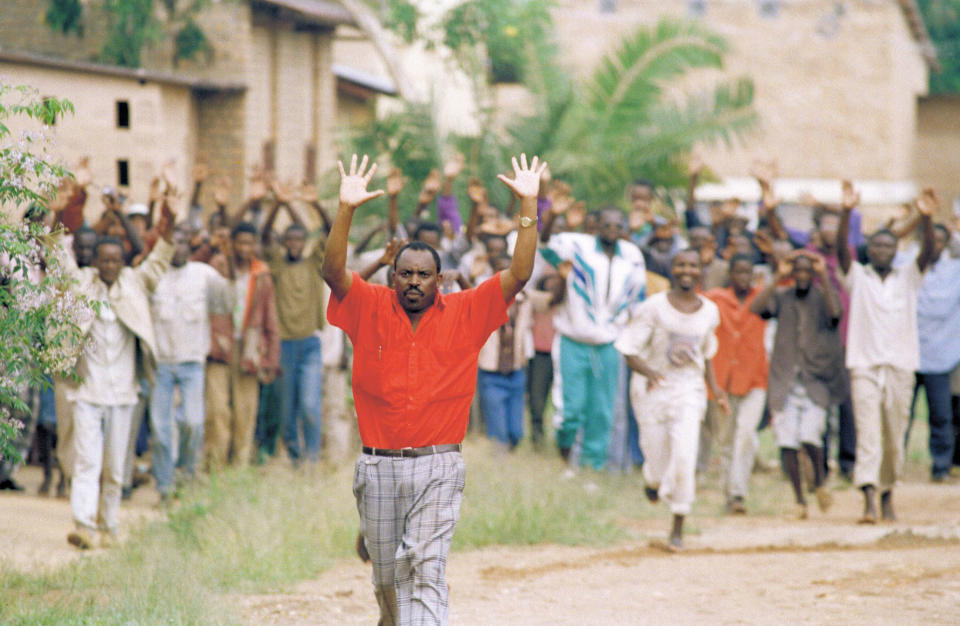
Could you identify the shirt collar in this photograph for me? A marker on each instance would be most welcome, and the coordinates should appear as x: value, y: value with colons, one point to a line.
x: 616, y: 248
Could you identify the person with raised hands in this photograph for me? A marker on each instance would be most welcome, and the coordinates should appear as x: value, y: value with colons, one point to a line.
x: 604, y: 289
x: 120, y: 341
x: 414, y: 375
x: 805, y: 365
x: 882, y: 350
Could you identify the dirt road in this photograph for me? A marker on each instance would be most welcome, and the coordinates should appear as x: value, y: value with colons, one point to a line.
x: 753, y: 569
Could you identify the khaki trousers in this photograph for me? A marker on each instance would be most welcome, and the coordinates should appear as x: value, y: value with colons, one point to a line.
x: 65, y: 449
x: 341, y: 439
x: 881, y: 411
x: 232, y: 399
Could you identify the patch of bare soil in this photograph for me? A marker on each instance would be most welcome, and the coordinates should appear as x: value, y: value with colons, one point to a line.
x: 746, y: 569
x: 752, y: 569
x: 33, y: 529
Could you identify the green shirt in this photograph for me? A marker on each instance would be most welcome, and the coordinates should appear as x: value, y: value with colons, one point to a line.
x: 299, y: 291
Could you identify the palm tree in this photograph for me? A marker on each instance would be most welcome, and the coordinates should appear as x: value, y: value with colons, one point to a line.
x: 601, y: 135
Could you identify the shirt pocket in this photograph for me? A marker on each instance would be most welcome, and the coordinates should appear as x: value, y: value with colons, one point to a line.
x: 382, y: 372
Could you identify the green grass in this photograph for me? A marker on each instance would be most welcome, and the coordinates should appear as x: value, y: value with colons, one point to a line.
x: 263, y: 529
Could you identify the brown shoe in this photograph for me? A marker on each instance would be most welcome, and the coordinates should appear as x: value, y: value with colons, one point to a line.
x: 824, y: 498
x: 81, y: 538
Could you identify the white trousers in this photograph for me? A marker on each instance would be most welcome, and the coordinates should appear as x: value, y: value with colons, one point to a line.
x: 669, y: 423
x: 881, y: 411
x: 737, y: 439
x: 100, y: 437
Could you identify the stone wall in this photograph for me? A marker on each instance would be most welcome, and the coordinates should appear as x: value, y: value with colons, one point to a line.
x: 162, y: 126
x: 937, y: 157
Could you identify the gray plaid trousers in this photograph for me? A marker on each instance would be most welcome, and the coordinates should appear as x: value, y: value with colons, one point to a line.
x: 408, y: 509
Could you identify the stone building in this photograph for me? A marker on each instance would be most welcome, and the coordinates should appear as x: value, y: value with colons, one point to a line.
x: 271, y: 92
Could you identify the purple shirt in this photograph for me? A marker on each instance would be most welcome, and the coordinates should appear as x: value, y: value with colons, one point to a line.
x: 543, y: 204
x: 856, y: 239
x: 448, y: 210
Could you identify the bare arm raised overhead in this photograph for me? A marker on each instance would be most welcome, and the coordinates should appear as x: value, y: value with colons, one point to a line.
x: 353, y: 193
x: 526, y: 185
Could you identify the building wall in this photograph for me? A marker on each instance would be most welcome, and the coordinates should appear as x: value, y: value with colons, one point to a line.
x: 937, y: 157
x: 226, y: 25
x: 291, y: 96
x: 163, y: 122
x: 220, y: 136
x: 833, y: 102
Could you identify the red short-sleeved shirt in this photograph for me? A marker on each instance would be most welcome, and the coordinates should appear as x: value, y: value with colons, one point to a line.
x: 414, y: 389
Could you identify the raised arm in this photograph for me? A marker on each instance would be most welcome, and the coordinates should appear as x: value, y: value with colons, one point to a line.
x: 694, y: 168
x: 561, y: 204
x: 834, y: 306
x: 761, y: 304
x: 526, y: 185
x: 396, y: 181
x: 927, y: 205
x: 156, y: 264
x: 353, y: 193
x: 849, y: 199
x: 308, y: 195
x: 387, y: 258
x: 431, y: 187
x: 478, y: 199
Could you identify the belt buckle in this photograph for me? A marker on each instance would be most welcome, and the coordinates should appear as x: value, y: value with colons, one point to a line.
x: 405, y: 449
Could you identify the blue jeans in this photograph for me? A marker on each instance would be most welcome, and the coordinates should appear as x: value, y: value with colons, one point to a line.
x: 940, y: 414
x: 301, y: 389
x: 501, y: 400
x: 189, y: 377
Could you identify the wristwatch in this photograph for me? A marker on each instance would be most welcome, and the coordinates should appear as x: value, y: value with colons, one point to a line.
x: 527, y: 221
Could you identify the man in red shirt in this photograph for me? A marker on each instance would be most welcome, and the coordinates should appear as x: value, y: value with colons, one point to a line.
x: 741, y: 370
x: 414, y: 374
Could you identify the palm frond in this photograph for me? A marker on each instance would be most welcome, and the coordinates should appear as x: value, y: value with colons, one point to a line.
x: 629, y: 80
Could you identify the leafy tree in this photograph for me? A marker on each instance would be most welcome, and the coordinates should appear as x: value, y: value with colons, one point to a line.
x: 408, y: 139
x: 942, y: 18
x: 133, y: 25
x: 39, y: 332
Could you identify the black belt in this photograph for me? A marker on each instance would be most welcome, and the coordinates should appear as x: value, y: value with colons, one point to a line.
x: 424, y: 451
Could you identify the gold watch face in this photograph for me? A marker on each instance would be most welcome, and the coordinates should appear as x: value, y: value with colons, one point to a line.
x: 527, y: 221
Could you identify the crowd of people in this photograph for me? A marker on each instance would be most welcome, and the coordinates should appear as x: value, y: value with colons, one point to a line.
x: 657, y: 334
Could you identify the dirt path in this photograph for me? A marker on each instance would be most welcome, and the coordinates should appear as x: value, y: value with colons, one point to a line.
x: 33, y: 530
x: 749, y: 569
x: 736, y: 570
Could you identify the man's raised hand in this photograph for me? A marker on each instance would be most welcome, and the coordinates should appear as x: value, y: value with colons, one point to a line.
x: 849, y: 198
x: 526, y: 179
x: 927, y: 203
x: 396, y: 181
x: 353, y: 185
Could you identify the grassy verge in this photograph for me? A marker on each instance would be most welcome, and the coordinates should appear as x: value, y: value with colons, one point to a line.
x: 265, y: 528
